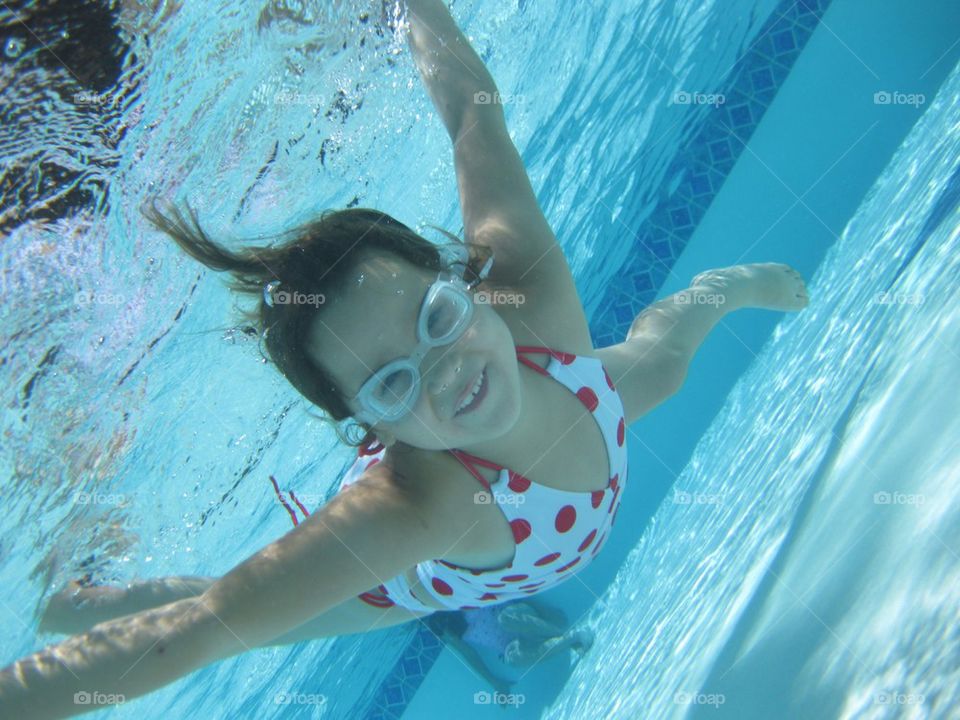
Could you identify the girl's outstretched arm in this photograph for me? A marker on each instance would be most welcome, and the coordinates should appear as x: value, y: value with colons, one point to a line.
x: 499, y: 207
x: 371, y: 531
x: 452, y: 71
x: 651, y: 364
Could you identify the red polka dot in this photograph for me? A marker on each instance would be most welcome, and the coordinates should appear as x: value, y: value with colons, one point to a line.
x: 495, y: 585
x: 514, y: 578
x: 470, y: 607
x: 587, y: 540
x: 620, y: 430
x: 599, y: 544
x: 532, y: 592
x: 449, y: 565
x: 596, y: 498
x: 477, y: 572
x: 518, y: 483
x: 521, y: 530
x: 564, y: 358
x: 568, y: 565
x: 609, y: 381
x: 588, y: 397
x: 488, y: 596
x: 565, y: 518
x: 531, y: 585
x: 615, y: 481
x: 613, y: 520
x: 441, y: 587
x: 613, y: 500
x: 372, y: 463
x: 547, y: 559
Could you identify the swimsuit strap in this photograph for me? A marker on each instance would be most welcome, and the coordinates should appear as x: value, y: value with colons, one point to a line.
x: 470, y: 461
x: 528, y: 362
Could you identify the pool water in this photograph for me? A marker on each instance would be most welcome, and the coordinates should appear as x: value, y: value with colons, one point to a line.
x: 806, y: 565
x: 809, y: 541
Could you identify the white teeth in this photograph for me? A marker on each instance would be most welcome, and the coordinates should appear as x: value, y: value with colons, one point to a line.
x: 473, y: 393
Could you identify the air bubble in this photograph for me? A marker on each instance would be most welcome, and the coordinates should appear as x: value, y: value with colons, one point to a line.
x: 14, y: 47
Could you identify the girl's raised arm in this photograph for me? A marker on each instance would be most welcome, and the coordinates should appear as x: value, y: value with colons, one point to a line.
x: 499, y: 206
x: 368, y: 533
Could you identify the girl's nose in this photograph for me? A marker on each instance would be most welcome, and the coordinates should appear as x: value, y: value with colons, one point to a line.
x: 445, y: 376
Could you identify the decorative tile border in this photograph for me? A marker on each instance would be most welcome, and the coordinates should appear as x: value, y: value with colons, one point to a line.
x: 752, y: 85
x: 406, y: 676
x: 704, y: 165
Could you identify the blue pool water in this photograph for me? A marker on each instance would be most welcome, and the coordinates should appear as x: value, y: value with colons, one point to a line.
x: 141, y: 428
x: 806, y: 564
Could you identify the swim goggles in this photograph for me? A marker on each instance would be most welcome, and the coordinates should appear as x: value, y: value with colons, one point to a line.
x: 445, y: 313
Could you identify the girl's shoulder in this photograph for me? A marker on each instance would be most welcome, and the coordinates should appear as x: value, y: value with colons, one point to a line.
x: 539, y: 313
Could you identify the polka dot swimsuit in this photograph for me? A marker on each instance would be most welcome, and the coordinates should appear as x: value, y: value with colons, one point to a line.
x: 557, y: 532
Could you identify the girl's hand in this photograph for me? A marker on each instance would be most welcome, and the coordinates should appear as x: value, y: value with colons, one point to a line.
x: 74, y: 609
x: 770, y: 286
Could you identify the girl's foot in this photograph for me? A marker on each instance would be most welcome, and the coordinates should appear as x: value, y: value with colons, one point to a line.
x: 582, y: 641
x: 770, y: 286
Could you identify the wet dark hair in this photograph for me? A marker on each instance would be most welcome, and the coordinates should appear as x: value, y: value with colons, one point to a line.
x: 314, y: 258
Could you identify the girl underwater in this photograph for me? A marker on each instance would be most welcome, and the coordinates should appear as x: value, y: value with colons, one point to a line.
x: 494, y: 455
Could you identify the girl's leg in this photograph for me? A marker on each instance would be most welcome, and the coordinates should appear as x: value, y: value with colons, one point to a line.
x: 524, y: 653
x: 522, y: 620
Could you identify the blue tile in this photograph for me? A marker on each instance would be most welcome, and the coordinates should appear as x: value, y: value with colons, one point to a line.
x: 720, y: 150
x: 740, y: 116
x: 411, y: 666
x: 761, y: 79
x: 700, y: 185
x: 680, y: 217
x: 623, y: 314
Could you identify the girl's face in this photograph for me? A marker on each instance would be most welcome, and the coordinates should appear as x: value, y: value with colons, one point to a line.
x: 373, y: 320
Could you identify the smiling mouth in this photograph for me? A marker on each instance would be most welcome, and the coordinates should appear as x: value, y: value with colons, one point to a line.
x: 474, y: 396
